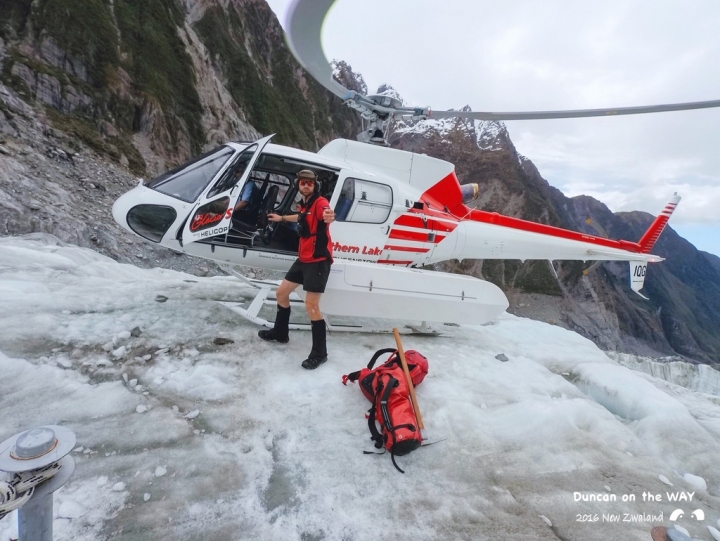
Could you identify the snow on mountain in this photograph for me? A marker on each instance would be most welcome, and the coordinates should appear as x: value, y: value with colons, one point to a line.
x: 387, y: 90
x: 237, y: 441
x: 490, y: 134
x: 487, y: 134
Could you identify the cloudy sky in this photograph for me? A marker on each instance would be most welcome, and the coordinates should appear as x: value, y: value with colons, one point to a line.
x: 527, y: 55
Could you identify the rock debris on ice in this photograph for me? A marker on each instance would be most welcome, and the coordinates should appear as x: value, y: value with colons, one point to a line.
x: 665, y: 480
x: 70, y: 509
x: 695, y: 481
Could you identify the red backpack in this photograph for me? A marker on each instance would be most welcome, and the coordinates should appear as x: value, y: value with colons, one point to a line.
x: 387, y: 389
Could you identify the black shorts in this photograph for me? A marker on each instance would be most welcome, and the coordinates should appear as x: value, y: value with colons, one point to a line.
x: 312, y: 276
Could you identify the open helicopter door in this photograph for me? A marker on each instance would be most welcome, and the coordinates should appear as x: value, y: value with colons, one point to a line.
x: 213, y: 211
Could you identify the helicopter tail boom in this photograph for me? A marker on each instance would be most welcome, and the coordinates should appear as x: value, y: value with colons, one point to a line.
x: 481, y: 234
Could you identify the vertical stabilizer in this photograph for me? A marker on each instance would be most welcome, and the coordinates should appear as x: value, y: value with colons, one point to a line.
x: 637, y: 276
x: 653, y: 233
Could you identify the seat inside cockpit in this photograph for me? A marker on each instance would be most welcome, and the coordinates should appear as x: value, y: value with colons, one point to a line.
x: 270, y: 187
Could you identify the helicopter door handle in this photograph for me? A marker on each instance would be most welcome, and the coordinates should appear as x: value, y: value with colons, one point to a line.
x: 386, y: 228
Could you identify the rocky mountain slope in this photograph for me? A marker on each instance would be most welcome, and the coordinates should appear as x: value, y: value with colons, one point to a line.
x: 153, y: 82
x: 95, y: 93
x: 684, y: 307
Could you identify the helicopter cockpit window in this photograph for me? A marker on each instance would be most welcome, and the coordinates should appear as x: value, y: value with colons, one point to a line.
x: 363, y: 201
x: 234, y: 173
x: 189, y: 180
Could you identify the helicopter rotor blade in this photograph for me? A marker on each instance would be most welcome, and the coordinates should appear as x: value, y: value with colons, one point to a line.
x: 304, y: 25
x: 578, y: 113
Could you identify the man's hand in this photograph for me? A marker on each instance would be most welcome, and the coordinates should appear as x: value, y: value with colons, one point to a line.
x: 329, y: 216
x: 274, y: 217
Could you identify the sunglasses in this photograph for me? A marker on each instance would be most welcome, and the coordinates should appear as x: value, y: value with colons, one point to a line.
x: 305, y: 182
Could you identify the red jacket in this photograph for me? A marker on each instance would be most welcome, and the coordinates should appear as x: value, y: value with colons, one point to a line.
x: 317, y: 246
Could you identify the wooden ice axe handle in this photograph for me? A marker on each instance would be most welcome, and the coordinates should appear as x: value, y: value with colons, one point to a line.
x: 401, y: 354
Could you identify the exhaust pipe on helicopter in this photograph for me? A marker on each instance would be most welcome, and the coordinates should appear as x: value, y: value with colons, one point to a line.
x: 469, y: 192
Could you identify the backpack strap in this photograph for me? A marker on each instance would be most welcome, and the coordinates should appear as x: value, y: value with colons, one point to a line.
x: 378, y: 353
x: 392, y: 383
x: 375, y: 435
x: 381, y: 398
x: 352, y: 376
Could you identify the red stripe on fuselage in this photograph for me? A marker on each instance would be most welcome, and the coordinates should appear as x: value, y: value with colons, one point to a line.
x: 416, y: 220
x: 394, y: 262
x: 412, y: 235
x: 409, y: 220
x: 406, y: 249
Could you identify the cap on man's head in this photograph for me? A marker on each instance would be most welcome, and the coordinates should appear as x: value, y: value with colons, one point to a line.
x: 307, y: 174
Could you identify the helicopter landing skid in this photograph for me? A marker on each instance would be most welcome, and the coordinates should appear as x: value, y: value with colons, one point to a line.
x: 252, y: 313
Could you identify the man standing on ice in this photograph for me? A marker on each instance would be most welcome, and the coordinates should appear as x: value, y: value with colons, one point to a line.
x: 311, y: 269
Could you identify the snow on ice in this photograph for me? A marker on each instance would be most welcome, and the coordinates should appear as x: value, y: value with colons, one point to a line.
x: 237, y: 441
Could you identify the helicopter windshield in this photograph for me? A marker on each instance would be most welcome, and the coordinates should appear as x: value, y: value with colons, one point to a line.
x: 189, y: 180
x: 234, y: 173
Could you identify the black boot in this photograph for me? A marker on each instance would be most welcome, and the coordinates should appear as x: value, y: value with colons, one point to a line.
x: 318, y: 354
x: 279, y: 333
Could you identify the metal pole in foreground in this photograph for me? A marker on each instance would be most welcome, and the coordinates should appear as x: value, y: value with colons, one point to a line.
x: 35, y: 519
x: 40, y: 456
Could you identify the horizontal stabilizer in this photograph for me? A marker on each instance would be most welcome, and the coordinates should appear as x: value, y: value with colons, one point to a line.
x: 614, y: 256
x: 653, y: 233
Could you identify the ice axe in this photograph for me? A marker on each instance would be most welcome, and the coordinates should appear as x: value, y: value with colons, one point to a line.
x: 413, y: 398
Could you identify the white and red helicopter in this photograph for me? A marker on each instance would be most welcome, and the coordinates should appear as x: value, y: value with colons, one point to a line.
x: 396, y: 212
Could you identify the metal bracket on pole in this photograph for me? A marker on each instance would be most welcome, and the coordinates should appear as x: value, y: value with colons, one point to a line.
x: 39, y: 452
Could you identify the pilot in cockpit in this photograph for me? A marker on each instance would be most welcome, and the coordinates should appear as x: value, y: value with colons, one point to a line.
x: 245, y: 196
